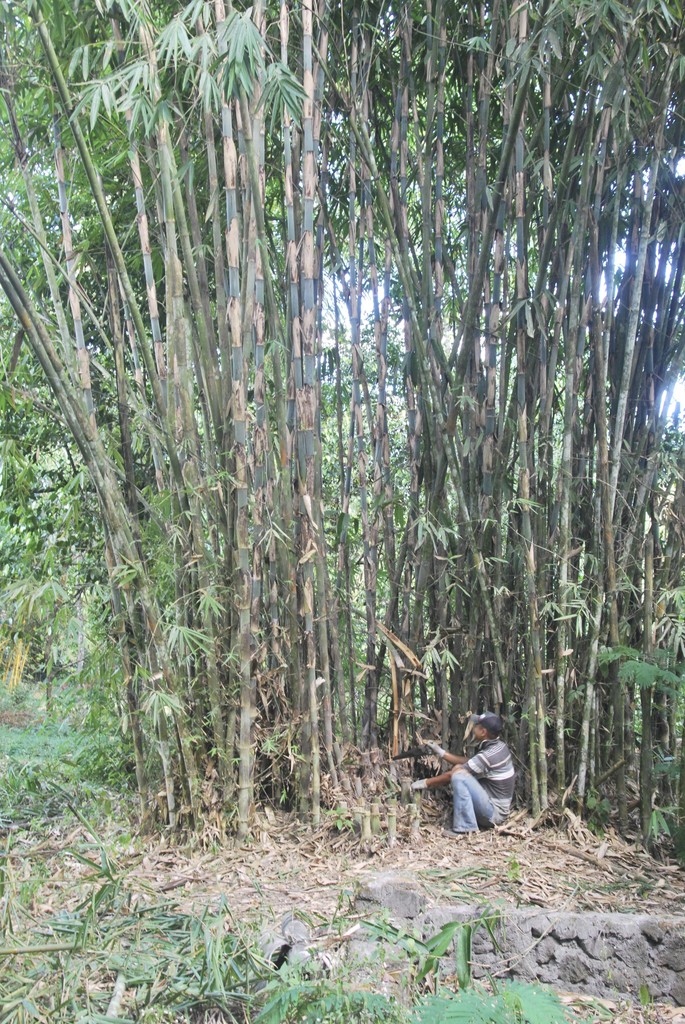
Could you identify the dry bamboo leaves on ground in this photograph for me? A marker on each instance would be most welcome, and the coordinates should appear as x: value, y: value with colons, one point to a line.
x: 519, y: 864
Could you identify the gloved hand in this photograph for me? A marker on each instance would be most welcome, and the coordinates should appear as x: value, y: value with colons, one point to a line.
x: 435, y: 747
x: 419, y: 784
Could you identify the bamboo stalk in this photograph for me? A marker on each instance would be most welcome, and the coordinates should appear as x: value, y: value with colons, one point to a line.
x: 104, y: 213
x: 82, y: 355
x: 635, y: 306
x: 646, y: 700
x: 392, y: 823
x: 36, y: 216
x: 118, y: 993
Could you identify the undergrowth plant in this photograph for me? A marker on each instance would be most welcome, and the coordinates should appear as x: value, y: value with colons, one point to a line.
x: 303, y: 996
x: 508, y: 1003
x: 342, y: 1001
x: 333, y: 1001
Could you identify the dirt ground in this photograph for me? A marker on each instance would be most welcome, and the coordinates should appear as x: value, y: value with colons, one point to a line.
x: 558, y: 864
x: 553, y: 863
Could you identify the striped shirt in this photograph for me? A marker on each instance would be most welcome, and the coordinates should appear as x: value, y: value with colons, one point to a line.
x: 494, y: 769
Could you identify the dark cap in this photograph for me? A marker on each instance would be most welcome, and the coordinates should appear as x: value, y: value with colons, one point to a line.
x: 493, y: 723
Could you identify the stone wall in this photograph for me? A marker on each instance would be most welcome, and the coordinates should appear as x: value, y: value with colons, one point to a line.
x: 600, y: 954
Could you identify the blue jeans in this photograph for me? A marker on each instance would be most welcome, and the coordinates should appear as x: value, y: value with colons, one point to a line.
x: 472, y: 806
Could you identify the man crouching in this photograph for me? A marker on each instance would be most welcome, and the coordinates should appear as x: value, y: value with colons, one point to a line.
x: 482, y: 785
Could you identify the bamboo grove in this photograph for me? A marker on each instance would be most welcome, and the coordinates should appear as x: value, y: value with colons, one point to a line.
x: 366, y: 322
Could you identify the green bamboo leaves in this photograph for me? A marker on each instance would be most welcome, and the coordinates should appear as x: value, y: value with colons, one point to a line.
x: 244, y: 61
x: 281, y: 91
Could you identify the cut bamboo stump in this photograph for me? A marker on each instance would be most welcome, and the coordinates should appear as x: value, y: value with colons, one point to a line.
x: 392, y: 822
x: 415, y: 816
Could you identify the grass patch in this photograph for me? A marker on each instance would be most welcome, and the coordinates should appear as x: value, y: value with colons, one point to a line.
x: 47, y: 766
x: 35, y: 743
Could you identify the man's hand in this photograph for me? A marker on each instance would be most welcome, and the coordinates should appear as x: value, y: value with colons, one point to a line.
x: 435, y: 747
x: 419, y: 784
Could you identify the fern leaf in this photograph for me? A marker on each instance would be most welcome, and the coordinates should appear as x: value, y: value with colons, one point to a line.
x: 470, y: 1007
x: 513, y: 1003
x: 534, y: 1004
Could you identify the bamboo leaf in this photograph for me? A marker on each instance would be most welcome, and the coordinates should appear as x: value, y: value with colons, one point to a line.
x: 244, y: 57
x: 95, y: 97
x: 76, y: 56
x: 282, y: 91
x: 478, y: 44
x: 193, y: 11
x: 554, y: 42
x: 463, y: 956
